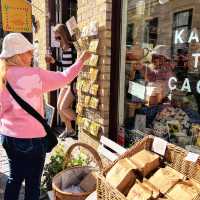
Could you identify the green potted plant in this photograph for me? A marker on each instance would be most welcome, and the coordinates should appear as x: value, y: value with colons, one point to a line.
x: 56, y: 163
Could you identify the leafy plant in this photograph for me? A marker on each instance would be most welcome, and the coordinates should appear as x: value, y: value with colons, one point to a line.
x: 80, y: 159
x: 56, y: 165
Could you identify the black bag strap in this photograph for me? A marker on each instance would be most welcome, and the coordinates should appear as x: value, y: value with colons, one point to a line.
x: 28, y: 108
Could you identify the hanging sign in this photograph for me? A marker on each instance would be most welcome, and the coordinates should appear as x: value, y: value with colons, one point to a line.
x: 16, y: 16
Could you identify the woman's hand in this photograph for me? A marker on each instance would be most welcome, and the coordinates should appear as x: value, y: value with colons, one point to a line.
x: 85, y: 56
x: 49, y: 59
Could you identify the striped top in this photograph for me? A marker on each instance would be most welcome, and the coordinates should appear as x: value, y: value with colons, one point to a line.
x: 67, y: 59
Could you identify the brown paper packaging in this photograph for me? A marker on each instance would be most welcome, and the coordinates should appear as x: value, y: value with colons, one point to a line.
x: 139, y: 192
x: 122, y: 176
x: 184, y: 190
x: 146, y: 161
x: 165, y: 178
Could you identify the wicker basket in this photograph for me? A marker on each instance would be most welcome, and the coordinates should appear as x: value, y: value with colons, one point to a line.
x: 174, y: 156
x: 57, y: 180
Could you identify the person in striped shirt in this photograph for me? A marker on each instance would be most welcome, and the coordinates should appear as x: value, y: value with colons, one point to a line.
x: 67, y: 94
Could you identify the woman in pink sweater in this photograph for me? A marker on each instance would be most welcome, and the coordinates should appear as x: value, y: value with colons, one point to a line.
x: 21, y: 135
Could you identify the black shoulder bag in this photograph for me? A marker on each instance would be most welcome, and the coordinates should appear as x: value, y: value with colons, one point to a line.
x: 50, y: 138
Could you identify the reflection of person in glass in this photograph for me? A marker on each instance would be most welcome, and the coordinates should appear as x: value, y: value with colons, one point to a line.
x: 181, y: 68
x: 160, y: 68
x: 67, y: 94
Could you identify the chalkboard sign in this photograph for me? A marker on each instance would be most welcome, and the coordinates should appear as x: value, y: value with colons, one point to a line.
x: 49, y: 113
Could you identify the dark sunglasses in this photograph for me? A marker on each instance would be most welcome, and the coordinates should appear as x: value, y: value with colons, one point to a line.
x: 58, y: 38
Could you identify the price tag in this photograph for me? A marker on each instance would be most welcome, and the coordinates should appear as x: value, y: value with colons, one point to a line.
x: 159, y: 146
x: 193, y: 157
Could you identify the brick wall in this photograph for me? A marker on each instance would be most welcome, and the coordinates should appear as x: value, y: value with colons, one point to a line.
x: 43, y: 34
x: 100, y: 11
x: 164, y: 13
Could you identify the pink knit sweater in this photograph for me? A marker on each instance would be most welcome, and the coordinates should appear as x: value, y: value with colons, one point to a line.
x: 30, y: 84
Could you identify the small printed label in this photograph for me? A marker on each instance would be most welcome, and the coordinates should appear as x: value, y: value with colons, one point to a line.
x: 159, y: 146
x: 193, y: 157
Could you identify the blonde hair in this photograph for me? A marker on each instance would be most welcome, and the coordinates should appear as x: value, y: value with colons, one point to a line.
x: 63, y: 31
x: 5, y: 64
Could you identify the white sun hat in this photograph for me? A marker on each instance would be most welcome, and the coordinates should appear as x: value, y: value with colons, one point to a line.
x: 161, y: 50
x: 13, y: 44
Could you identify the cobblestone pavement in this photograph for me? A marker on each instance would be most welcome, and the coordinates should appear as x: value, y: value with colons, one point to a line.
x: 4, y: 168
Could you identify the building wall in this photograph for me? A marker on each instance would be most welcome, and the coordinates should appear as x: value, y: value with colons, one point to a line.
x: 164, y: 13
x: 100, y: 11
x: 43, y: 33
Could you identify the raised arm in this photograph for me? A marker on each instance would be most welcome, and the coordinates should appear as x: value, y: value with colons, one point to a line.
x: 54, y: 80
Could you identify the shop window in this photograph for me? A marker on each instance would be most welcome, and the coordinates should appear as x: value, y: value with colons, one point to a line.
x: 130, y: 30
x: 151, y: 32
x: 181, y: 21
x: 162, y: 66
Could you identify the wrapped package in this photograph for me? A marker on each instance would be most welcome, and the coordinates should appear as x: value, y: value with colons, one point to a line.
x: 152, y: 188
x: 86, y: 86
x: 165, y: 178
x: 80, y: 120
x: 94, y: 129
x: 86, y: 124
x: 87, y: 101
x: 93, y: 74
x: 139, y: 192
x: 94, y: 60
x: 94, y: 89
x: 146, y: 161
x: 83, y: 43
x: 121, y: 175
x: 184, y: 190
x: 94, y: 102
x: 94, y: 45
x: 93, y: 28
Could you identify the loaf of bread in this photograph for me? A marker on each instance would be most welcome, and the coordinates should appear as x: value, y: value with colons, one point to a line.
x: 121, y: 175
x: 139, y: 192
x: 165, y: 178
x: 184, y: 190
x: 152, y: 188
x: 146, y: 161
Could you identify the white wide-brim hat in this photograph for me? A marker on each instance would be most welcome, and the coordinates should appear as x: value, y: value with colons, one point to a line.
x: 13, y: 44
x: 161, y: 50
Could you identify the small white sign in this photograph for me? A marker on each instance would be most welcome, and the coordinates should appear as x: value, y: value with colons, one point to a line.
x: 137, y: 90
x: 159, y: 146
x: 71, y: 25
x: 193, y: 157
x: 140, y: 122
x: 49, y: 114
x: 54, y: 43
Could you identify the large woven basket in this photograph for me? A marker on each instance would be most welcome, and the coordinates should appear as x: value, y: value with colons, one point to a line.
x: 57, y: 180
x: 174, y: 156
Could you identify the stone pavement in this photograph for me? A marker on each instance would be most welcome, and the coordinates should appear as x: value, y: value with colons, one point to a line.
x: 4, y: 168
